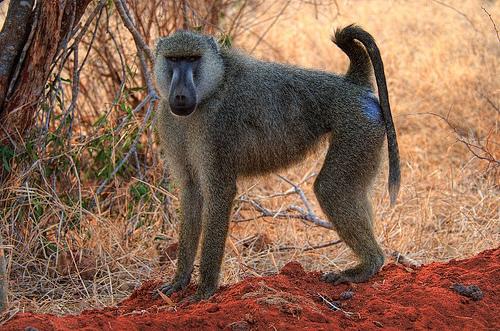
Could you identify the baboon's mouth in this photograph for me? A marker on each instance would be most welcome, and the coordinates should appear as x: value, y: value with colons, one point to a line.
x: 183, y: 110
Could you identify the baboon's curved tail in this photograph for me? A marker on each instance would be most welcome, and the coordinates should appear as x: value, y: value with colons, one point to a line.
x: 360, y: 73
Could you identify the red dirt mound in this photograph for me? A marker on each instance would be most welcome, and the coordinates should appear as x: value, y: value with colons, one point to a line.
x: 436, y: 296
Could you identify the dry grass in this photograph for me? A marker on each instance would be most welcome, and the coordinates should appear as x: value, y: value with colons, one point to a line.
x: 67, y: 256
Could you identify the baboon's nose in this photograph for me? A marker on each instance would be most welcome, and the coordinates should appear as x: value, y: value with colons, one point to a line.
x: 182, y: 103
x: 181, y: 99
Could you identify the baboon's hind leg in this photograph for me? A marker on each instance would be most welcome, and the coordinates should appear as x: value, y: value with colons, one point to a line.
x: 342, y: 191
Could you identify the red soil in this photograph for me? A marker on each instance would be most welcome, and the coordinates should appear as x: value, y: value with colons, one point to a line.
x: 397, y: 298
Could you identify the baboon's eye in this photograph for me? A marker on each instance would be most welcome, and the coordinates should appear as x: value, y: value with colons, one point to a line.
x: 173, y: 58
x: 192, y: 58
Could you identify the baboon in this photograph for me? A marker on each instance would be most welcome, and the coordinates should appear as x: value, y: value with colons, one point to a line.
x: 225, y: 115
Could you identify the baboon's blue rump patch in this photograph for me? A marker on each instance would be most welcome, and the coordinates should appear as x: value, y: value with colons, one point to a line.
x: 371, y: 107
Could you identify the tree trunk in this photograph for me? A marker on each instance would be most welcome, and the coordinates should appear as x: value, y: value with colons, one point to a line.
x: 12, y: 38
x: 49, y: 31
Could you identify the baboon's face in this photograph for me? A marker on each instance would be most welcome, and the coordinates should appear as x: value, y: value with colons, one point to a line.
x: 188, y: 69
x: 183, y: 96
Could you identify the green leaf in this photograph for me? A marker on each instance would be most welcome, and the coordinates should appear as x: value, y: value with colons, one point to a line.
x: 139, y: 191
x: 6, y: 153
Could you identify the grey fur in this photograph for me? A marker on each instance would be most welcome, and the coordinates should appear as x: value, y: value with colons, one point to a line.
x: 255, y: 117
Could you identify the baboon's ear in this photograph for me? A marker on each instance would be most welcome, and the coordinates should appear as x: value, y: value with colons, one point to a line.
x: 214, y: 44
x: 158, y: 43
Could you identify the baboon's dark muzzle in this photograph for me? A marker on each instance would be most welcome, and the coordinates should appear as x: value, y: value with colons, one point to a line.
x: 182, y: 107
x: 182, y: 99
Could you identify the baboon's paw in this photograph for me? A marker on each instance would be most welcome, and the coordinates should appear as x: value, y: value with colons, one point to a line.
x: 358, y: 274
x: 170, y: 288
x: 334, y: 278
x: 197, y: 297
x: 201, y: 294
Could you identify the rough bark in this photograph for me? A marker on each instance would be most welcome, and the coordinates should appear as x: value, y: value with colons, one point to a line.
x: 54, y: 24
x: 12, y: 38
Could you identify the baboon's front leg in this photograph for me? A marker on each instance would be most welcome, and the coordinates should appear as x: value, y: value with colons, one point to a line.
x: 191, y: 206
x: 218, y: 200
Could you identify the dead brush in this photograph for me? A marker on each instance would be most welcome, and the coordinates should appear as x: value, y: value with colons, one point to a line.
x: 87, y: 207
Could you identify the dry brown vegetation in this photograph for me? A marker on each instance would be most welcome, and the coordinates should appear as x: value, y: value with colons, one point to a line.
x: 70, y: 249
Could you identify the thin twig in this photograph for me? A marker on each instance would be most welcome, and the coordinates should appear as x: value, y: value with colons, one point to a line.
x: 334, y: 306
x: 126, y: 119
x: 300, y: 214
x: 77, y: 69
x: 63, y: 52
x: 305, y: 249
x: 288, y: 192
x: 492, y: 22
x: 74, y: 95
x: 470, y: 146
x: 299, y: 191
x: 310, y: 215
x: 270, y: 26
x: 458, y: 12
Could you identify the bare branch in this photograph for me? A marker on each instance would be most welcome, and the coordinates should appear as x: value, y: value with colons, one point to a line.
x: 458, y: 12
x: 142, y: 48
x: 127, y: 20
x: 285, y: 6
x: 292, y: 212
x: 65, y: 52
x: 472, y: 147
x: 299, y: 191
x: 305, y: 249
x: 492, y: 22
